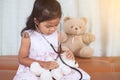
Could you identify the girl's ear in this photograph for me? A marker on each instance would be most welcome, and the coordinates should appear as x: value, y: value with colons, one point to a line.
x: 36, y: 21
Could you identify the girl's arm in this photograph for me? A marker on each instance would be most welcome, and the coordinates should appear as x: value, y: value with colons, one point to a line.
x: 24, y: 54
x: 24, y: 50
x: 69, y: 53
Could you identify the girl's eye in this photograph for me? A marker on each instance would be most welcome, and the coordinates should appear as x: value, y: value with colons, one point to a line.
x: 48, y: 26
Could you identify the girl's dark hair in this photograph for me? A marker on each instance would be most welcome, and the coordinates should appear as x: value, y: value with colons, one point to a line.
x: 43, y: 10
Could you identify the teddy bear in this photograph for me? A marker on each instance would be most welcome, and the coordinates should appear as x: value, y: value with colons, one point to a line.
x: 57, y: 73
x: 75, y: 37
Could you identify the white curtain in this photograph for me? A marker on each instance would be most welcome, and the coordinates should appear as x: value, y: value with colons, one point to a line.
x: 103, y: 21
x: 13, y: 15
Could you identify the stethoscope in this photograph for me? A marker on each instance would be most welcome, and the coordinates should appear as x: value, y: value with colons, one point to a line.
x: 58, y: 52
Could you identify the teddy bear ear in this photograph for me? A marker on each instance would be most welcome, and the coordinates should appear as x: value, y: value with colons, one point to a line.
x: 84, y: 19
x: 67, y: 18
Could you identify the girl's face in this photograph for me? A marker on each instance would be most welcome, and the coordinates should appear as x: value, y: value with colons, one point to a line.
x: 48, y: 27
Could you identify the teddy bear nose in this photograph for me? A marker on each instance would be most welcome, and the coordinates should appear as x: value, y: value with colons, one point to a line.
x: 76, y: 28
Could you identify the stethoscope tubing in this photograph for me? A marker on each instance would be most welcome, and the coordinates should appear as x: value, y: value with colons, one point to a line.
x: 58, y: 52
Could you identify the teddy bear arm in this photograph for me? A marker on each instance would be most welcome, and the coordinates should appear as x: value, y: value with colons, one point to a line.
x: 88, y: 38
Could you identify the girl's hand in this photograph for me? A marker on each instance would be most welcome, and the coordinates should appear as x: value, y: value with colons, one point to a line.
x: 50, y: 65
x: 70, y: 55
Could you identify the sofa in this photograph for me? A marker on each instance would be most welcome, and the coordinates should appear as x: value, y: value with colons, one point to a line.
x: 99, y: 68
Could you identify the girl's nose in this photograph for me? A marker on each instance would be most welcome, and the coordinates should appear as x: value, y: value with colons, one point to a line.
x: 52, y: 28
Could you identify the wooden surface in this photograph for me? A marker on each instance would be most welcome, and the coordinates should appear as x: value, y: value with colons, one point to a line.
x: 99, y: 68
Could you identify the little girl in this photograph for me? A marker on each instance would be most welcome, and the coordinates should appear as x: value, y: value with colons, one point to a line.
x: 39, y: 33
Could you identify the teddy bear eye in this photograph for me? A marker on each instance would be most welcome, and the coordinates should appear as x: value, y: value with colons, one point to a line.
x: 80, y: 27
x: 71, y: 26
